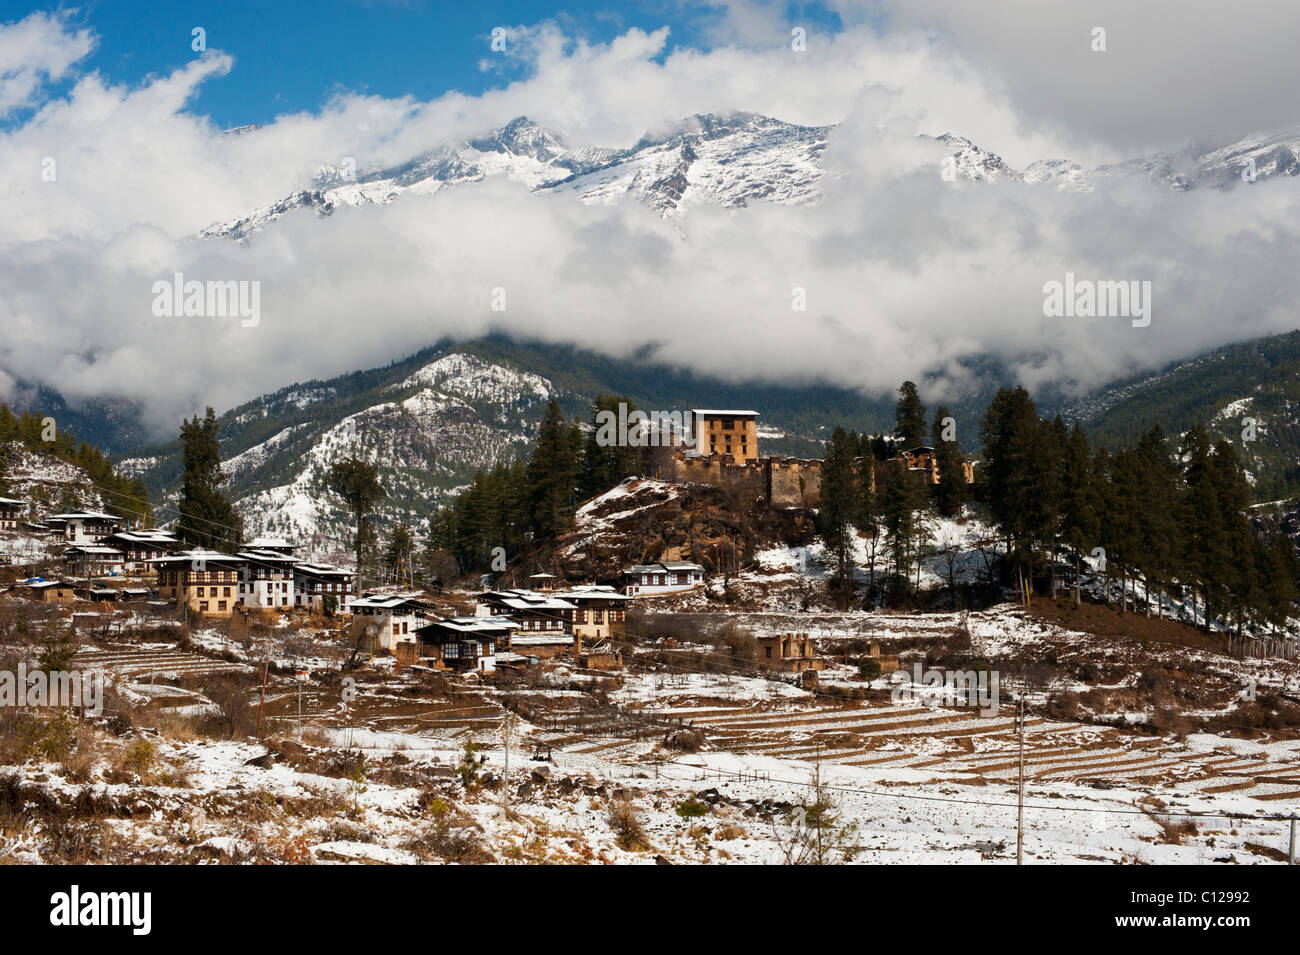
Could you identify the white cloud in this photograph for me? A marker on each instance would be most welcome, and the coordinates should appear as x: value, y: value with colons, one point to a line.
x: 906, y: 275
x: 37, y: 49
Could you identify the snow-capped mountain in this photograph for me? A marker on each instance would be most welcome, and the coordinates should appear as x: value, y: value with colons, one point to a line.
x: 426, y: 428
x: 731, y: 160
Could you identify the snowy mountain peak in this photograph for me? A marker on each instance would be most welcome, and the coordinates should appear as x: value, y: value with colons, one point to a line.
x: 729, y: 159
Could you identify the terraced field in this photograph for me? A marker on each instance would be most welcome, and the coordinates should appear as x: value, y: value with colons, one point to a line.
x: 959, y: 745
x: 163, y: 661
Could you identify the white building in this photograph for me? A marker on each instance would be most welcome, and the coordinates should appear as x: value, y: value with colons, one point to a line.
x: 267, y: 580
x: 668, y: 577
x: 395, y: 616
x: 85, y: 527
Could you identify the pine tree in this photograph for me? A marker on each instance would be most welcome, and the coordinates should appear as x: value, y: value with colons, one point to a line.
x: 1278, y: 573
x: 1080, y: 503
x: 1010, y: 434
x: 1233, y: 542
x: 358, y: 484
x: 207, y: 518
x: 869, y: 517
x: 909, y: 416
x: 604, y: 464
x: 1197, y: 512
x: 1158, y: 524
x: 552, y: 473
x: 904, y: 495
x: 950, y: 493
x: 839, y: 512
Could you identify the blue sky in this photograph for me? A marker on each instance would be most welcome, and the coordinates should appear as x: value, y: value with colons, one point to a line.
x: 293, y: 56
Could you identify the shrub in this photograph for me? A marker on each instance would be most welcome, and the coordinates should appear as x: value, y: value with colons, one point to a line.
x: 451, y: 836
x: 55, y: 741
x: 692, y: 809
x: 868, y: 668
x: 623, y: 819
x: 139, y: 757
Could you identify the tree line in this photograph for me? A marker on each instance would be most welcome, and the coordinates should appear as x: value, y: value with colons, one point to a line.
x: 1175, y: 517
x: 124, y: 496
x: 507, y: 508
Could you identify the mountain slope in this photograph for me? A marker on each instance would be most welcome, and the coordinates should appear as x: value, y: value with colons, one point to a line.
x: 1257, y: 380
x: 430, y: 421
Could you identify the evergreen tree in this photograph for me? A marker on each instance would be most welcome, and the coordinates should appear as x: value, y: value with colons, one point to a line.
x: 1158, y: 523
x: 1198, y: 509
x: 207, y: 518
x: 1010, y: 434
x: 839, y: 513
x: 1234, y: 542
x: 1080, y: 503
x: 950, y: 493
x: 1278, y: 573
x: 552, y: 473
x: 909, y: 416
x: 904, y: 496
x: 358, y: 484
x: 604, y: 464
x: 869, y: 517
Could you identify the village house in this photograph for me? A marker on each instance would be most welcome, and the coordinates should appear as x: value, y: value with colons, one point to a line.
x: 395, y: 617
x: 600, y: 613
x: 315, y: 583
x: 40, y: 530
x: 266, y: 580
x: 465, y: 644
x: 94, y: 560
x: 668, y: 577
x: 11, y: 512
x: 85, y: 527
x: 50, y: 591
x: 788, y: 652
x: 205, y: 581
x: 141, y: 548
x: 545, y: 620
x: 277, y: 544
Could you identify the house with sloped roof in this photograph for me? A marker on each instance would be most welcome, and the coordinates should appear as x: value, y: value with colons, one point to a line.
x: 396, y: 617
x: 465, y: 644
x: 85, y: 527
x: 666, y: 577
x: 11, y: 512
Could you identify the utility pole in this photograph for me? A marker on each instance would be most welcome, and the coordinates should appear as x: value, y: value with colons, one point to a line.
x: 505, y: 781
x: 261, y: 700
x: 1290, y: 852
x: 1020, y: 786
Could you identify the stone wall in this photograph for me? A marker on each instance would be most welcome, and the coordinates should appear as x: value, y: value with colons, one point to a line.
x: 778, y: 482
